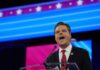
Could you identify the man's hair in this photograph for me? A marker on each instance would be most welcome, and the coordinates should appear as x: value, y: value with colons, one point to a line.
x: 62, y: 23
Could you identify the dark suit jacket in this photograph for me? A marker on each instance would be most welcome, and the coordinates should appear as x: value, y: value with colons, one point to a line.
x: 78, y: 56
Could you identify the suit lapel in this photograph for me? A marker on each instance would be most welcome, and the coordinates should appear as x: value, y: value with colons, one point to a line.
x: 71, y: 57
x: 57, y: 58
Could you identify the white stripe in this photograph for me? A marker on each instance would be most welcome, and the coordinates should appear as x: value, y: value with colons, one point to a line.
x: 87, y: 18
x: 38, y: 19
x: 79, y: 27
x: 43, y: 25
x: 46, y: 31
x: 24, y: 34
x: 23, y: 27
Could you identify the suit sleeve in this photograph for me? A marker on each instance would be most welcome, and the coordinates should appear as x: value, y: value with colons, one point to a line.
x: 86, y: 63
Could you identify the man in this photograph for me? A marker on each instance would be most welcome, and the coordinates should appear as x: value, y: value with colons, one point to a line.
x: 67, y: 53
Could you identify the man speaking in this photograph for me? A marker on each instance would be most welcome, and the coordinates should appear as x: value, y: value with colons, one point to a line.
x: 66, y: 52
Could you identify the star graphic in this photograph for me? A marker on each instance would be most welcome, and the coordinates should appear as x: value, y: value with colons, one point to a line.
x: 19, y: 11
x: 79, y: 2
x: 1, y: 14
x: 50, y: 6
x: 92, y: 0
x: 70, y: 3
x: 30, y: 9
x: 58, y: 5
x: 11, y: 12
x: 38, y: 9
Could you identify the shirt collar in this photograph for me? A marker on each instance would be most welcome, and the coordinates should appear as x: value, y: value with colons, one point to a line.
x: 68, y: 48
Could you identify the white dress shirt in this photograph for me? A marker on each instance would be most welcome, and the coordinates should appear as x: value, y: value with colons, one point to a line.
x: 67, y: 52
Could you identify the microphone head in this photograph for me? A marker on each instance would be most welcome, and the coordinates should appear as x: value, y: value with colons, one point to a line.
x: 55, y: 46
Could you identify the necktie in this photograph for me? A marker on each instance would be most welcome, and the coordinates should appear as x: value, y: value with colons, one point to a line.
x: 63, y: 60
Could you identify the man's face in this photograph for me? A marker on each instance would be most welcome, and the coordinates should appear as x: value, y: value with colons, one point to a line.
x: 62, y: 35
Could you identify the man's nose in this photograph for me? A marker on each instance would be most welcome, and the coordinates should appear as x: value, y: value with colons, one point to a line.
x: 60, y: 33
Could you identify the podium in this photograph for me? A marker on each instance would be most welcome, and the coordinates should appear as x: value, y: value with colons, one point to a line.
x: 50, y: 66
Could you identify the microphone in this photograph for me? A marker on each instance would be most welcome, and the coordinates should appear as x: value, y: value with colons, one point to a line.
x: 50, y: 54
x: 53, y: 50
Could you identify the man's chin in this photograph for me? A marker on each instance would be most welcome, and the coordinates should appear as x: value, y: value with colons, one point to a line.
x: 64, y: 44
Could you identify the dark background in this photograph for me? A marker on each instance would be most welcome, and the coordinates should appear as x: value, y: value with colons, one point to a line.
x: 12, y: 53
x: 14, y: 3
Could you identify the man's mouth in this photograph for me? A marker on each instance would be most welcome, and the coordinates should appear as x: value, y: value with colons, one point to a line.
x: 60, y: 38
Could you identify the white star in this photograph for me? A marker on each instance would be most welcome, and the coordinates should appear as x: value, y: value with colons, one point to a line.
x: 11, y: 12
x: 30, y: 9
x: 79, y: 2
x: 19, y: 11
x: 38, y: 9
x: 1, y: 14
x: 58, y: 6
x: 50, y: 6
x: 70, y: 3
x: 92, y: 0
